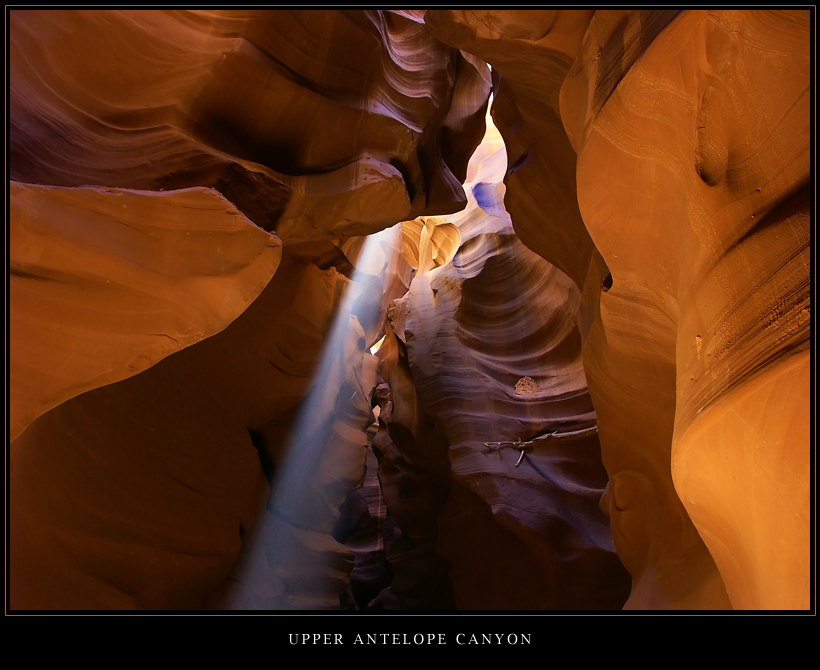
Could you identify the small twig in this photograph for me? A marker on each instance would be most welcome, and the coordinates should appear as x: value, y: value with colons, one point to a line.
x: 520, y: 458
x: 524, y: 446
x: 498, y: 446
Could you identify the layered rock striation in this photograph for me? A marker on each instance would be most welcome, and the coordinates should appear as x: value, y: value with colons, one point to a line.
x: 159, y: 158
x: 104, y: 283
x: 227, y: 392
x: 691, y: 135
x: 487, y: 357
x: 315, y: 124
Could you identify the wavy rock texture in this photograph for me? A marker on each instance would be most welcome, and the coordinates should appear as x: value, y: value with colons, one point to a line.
x: 316, y: 124
x: 727, y: 303
x: 649, y: 524
x: 691, y: 131
x: 106, y: 282
x: 494, y: 355
x: 658, y: 160
x: 140, y: 494
x: 530, y: 52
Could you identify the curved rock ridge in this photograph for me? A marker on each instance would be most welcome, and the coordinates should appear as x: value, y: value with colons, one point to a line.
x: 429, y: 242
x: 493, y: 352
x: 206, y: 184
x: 727, y: 304
x: 315, y: 124
x: 104, y: 283
x: 693, y: 160
x: 530, y: 52
x: 470, y: 347
x: 141, y: 494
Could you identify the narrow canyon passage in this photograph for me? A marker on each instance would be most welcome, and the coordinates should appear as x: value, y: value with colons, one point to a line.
x: 292, y: 327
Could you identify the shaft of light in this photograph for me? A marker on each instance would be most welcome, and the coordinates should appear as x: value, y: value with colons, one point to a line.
x: 290, y: 559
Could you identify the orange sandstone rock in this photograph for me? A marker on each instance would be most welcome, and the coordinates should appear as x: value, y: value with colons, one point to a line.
x: 107, y: 282
x: 315, y: 124
x: 691, y: 131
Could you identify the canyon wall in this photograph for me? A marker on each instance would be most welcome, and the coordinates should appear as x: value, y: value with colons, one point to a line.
x: 160, y: 160
x: 689, y: 134
x: 489, y: 408
x: 591, y: 374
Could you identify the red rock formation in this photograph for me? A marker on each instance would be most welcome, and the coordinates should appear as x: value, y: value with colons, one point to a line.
x: 658, y: 160
x: 104, y: 283
x: 317, y: 124
x: 691, y: 178
x: 493, y: 358
x: 138, y: 494
x: 722, y: 269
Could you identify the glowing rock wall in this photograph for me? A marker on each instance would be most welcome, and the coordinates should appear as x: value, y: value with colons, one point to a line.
x: 188, y: 199
x: 691, y: 133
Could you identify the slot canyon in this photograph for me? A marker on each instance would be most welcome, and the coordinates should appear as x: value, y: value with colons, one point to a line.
x: 443, y: 310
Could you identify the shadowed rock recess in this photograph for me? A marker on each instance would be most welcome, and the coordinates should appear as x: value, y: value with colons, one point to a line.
x: 296, y: 322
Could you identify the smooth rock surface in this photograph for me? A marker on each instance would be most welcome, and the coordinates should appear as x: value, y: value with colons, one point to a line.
x: 691, y: 132
x: 314, y: 123
x: 493, y: 352
x: 631, y: 340
x: 104, y: 283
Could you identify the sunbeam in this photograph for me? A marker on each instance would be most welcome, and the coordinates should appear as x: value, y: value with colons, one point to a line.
x: 294, y: 529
